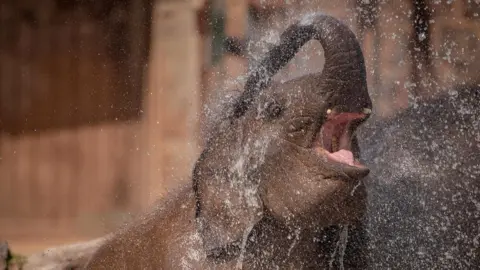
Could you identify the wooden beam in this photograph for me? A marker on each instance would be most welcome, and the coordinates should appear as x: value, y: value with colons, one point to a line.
x: 171, y: 102
x: 236, y: 15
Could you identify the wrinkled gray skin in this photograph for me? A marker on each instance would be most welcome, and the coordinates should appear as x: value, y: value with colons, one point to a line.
x: 424, y: 185
x: 262, y: 197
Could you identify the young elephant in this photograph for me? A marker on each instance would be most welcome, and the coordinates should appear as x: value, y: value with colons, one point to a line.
x: 279, y: 177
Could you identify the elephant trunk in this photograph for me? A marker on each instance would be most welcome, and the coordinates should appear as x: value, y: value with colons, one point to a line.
x: 344, y: 62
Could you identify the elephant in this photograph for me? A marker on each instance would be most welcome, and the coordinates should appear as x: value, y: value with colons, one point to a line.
x: 279, y: 184
x: 424, y: 186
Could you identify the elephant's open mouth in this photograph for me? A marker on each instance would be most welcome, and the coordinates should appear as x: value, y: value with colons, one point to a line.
x: 334, y: 141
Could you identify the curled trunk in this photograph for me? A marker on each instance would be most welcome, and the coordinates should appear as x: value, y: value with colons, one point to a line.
x: 344, y: 62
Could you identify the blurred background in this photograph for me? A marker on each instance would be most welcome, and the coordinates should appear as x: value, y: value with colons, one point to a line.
x: 101, y: 101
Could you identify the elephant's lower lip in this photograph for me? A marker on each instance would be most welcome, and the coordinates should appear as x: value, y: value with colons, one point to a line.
x: 343, y: 162
x: 343, y: 156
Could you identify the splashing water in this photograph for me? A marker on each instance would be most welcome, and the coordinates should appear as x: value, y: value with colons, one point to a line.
x: 340, y: 247
x: 343, y: 245
x: 240, y: 170
x: 246, y: 233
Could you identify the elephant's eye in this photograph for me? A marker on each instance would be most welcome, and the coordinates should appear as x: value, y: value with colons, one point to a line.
x: 273, y: 110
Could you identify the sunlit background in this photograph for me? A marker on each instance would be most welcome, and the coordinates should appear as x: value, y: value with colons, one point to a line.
x: 101, y: 101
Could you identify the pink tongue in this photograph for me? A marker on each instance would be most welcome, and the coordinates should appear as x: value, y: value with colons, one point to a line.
x: 343, y: 156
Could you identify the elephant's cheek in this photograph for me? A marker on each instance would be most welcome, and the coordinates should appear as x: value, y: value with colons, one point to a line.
x: 297, y: 200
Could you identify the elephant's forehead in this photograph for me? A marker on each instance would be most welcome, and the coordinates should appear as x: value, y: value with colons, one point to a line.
x: 298, y: 95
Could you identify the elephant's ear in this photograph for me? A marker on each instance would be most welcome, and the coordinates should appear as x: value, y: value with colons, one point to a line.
x: 226, y: 212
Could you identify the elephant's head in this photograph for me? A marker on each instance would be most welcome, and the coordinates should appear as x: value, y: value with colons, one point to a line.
x: 287, y: 150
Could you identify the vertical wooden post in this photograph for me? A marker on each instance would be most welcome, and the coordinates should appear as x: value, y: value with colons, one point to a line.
x: 420, y: 47
x: 171, y: 102
x: 367, y: 27
x: 235, y: 27
x: 139, y: 26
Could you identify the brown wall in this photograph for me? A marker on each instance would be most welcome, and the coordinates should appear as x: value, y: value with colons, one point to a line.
x: 456, y: 41
x: 70, y: 103
x: 63, y: 67
x: 70, y: 177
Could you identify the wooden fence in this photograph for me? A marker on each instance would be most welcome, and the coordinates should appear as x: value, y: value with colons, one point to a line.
x: 70, y: 100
